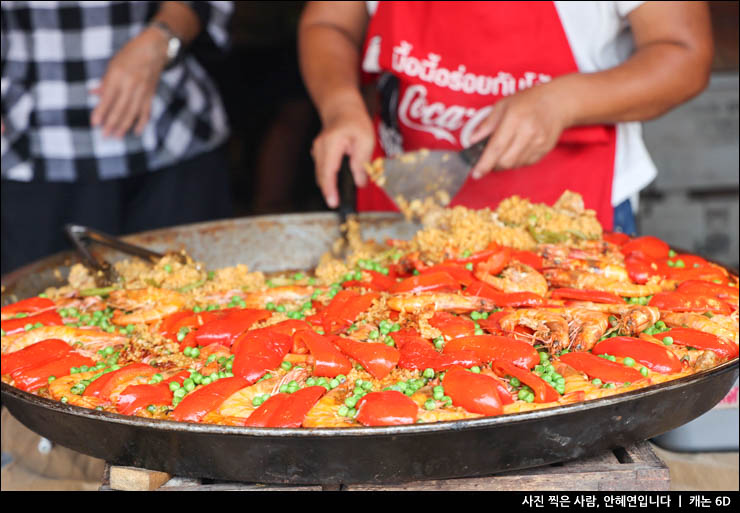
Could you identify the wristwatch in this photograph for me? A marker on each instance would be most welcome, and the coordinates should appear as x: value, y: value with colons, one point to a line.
x: 174, y: 43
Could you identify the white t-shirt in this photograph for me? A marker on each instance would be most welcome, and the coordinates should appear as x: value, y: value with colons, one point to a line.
x: 600, y: 38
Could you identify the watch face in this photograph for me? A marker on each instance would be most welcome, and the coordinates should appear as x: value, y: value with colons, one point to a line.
x: 173, y: 48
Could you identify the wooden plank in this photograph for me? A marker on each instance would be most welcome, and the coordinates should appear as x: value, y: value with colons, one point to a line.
x: 136, y: 479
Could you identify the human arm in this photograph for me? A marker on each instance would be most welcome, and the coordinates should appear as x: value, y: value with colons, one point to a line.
x: 330, y: 37
x: 671, y: 64
x: 131, y: 78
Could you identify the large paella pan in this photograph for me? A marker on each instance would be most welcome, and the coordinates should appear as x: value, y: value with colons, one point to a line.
x: 498, y: 390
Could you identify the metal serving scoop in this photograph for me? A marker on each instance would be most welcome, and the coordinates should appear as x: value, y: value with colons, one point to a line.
x: 429, y: 173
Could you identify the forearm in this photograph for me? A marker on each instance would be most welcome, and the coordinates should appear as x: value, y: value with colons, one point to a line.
x: 329, y: 61
x: 671, y: 64
x: 657, y: 78
x: 181, y: 19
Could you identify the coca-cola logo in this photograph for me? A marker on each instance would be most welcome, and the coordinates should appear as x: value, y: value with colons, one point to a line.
x: 438, y: 119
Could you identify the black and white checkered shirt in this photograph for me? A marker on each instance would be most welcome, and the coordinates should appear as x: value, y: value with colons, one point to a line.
x: 55, y: 53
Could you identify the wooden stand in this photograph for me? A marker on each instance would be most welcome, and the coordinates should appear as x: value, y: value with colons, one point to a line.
x: 624, y: 469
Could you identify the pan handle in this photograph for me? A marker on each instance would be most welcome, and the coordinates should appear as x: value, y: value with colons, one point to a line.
x: 472, y: 153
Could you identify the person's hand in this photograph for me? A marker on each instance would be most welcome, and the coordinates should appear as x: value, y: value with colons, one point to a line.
x: 129, y: 83
x: 525, y: 127
x: 348, y: 131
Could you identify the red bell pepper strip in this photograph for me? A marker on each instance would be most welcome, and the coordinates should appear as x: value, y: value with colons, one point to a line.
x: 491, y: 324
x: 707, y: 273
x: 639, y: 269
x: 543, y: 393
x: 652, y: 356
x: 452, y: 326
x: 594, y: 296
x: 605, y: 370
x: 285, y: 410
x: 33, y: 378
x: 495, y: 347
x: 168, y: 327
x: 328, y: 360
x: 261, y: 416
x: 225, y: 330
x: 533, y: 260
x: 504, y: 299
x: 458, y: 272
x: 344, y: 309
x: 480, y: 256
x: 105, y: 384
x: 706, y: 288
x: 259, y: 351
x: 701, y: 340
x: 437, y: 281
x: 49, y: 318
x: 377, y: 358
x: 386, y: 408
x: 647, y: 247
x: 620, y: 239
x: 34, y: 355
x: 477, y: 393
x: 137, y: 397
x: 680, y: 302
x: 418, y: 353
x: 378, y: 281
x: 198, y: 403
x: 496, y: 262
x: 32, y: 305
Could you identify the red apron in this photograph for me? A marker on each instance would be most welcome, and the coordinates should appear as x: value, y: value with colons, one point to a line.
x: 453, y: 60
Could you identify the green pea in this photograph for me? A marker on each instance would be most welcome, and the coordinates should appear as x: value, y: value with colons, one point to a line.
x: 286, y: 366
x: 280, y: 308
x: 207, y: 380
x: 367, y: 385
x: 195, y: 352
x: 428, y: 373
x: 333, y: 384
x: 475, y: 369
x: 644, y: 371
x: 180, y: 393
x: 257, y: 400
x: 469, y: 266
x: 596, y: 381
x: 51, y: 378
x: 629, y: 362
x: 515, y: 382
x: 350, y: 402
x: 373, y: 335
x: 343, y: 411
x: 174, y: 385
x: 168, y: 268
x: 188, y: 385
x: 671, y: 253
x: 429, y: 404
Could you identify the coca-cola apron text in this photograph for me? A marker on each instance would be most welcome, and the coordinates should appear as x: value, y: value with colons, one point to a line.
x: 449, y: 63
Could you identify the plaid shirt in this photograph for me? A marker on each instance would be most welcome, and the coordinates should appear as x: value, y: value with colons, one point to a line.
x: 54, y: 53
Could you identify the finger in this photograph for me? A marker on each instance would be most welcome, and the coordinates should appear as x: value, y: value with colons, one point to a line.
x: 488, y: 125
x: 107, y: 95
x: 144, y: 114
x: 132, y: 111
x: 500, y: 141
x: 328, y: 159
x: 513, y: 155
x: 118, y: 110
x: 362, y: 152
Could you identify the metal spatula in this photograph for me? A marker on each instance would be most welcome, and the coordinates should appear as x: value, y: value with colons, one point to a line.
x: 421, y: 174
